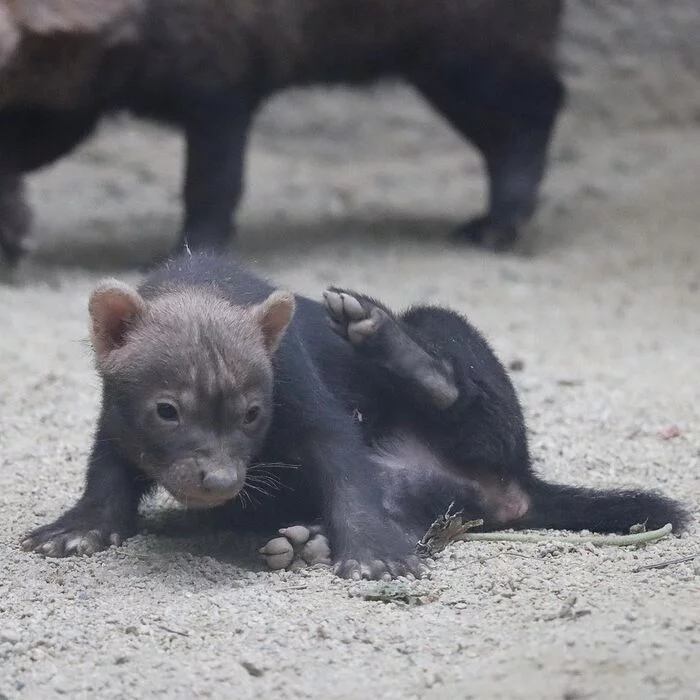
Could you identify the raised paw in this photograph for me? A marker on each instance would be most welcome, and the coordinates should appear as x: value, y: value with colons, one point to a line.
x: 354, y: 318
x: 59, y: 540
x: 487, y: 233
x: 297, y: 547
x: 375, y: 333
x: 410, y: 567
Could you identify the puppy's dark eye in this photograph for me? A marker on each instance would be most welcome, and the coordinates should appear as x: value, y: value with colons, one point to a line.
x: 251, y: 415
x: 167, y: 412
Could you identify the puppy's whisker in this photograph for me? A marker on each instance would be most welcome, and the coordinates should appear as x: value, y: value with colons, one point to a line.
x: 265, y: 480
x: 259, y: 489
x: 275, y: 465
x: 252, y: 500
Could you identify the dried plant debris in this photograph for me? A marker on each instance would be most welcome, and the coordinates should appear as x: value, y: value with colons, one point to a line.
x: 394, y: 592
x: 568, y: 611
x: 631, y: 540
x: 569, y: 382
x: 447, y: 528
x: 667, y: 562
x: 668, y: 432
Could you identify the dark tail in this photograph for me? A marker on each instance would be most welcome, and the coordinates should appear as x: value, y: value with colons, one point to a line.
x: 571, y: 508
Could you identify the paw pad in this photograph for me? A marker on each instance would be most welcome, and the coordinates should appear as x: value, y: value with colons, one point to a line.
x: 351, y: 318
x: 297, y: 547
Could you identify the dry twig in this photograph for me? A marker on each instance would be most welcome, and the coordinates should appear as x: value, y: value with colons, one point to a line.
x: 449, y: 528
x: 664, y: 564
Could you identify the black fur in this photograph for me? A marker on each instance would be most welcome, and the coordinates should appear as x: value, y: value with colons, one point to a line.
x: 486, y: 67
x: 390, y: 417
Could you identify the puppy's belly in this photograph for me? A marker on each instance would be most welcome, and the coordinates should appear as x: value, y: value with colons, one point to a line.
x: 413, y: 476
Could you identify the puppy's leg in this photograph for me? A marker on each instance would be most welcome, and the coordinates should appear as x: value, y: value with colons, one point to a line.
x: 375, y: 332
x: 105, y: 514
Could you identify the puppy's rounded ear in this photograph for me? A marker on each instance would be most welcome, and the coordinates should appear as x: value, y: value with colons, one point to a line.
x: 114, y: 308
x: 273, y: 316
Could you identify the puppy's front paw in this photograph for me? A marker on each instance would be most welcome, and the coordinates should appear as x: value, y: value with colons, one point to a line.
x: 410, y: 567
x: 65, y: 538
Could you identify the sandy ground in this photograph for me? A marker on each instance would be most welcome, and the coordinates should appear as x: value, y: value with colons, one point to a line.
x: 602, y: 307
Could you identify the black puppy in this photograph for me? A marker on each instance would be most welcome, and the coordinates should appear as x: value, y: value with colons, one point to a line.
x: 209, y: 373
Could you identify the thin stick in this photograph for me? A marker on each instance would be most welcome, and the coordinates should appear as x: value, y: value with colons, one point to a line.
x: 598, y: 540
x: 284, y: 589
x: 662, y: 564
x: 172, y: 631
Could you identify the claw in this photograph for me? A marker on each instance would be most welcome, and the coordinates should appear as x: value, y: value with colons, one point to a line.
x: 352, y: 308
x: 334, y: 303
x: 60, y: 540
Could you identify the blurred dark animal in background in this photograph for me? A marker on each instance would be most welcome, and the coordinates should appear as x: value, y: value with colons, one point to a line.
x: 487, y: 66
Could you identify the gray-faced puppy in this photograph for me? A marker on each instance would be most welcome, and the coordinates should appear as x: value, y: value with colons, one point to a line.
x: 187, y: 395
x: 190, y: 393
x: 208, y: 372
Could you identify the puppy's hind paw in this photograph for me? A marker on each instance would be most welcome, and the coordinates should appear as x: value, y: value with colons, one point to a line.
x: 351, y: 316
x: 298, y: 547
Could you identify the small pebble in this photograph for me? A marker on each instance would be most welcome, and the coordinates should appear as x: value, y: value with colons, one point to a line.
x: 252, y: 668
x: 9, y: 637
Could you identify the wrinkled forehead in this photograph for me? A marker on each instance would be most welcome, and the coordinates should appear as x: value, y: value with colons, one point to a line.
x: 203, y: 345
x: 210, y: 367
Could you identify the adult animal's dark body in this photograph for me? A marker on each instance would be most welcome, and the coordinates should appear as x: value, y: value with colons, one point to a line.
x: 487, y: 66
